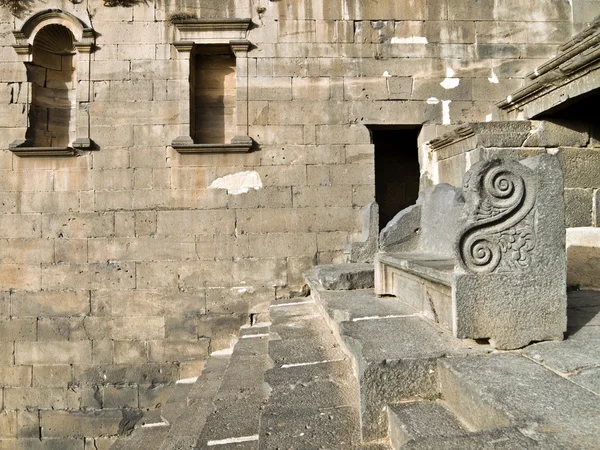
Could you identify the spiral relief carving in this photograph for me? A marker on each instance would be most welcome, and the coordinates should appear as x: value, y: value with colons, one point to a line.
x: 499, y: 234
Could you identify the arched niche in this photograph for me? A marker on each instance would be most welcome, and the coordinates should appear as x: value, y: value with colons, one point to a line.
x: 45, y: 39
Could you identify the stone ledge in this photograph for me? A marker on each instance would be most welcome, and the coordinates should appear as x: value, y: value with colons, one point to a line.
x: 239, y: 144
x: 344, y: 276
x: 43, y: 151
x: 212, y: 30
x: 431, y: 267
x: 578, y: 57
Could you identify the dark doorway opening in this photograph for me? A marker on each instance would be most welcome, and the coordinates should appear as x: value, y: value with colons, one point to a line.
x: 396, y: 169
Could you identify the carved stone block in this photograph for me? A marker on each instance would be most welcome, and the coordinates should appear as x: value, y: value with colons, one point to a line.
x: 506, y: 279
x: 510, y: 281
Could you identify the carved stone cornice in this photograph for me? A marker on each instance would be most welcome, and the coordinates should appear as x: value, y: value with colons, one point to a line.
x: 24, y: 148
x: 81, y: 31
x: 452, y: 137
x: 202, y: 29
x: 239, y: 46
x: 183, y: 46
x: 578, y: 57
x: 239, y: 144
x: 22, y: 49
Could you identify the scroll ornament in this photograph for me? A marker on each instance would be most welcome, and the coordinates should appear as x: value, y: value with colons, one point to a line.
x: 499, y: 234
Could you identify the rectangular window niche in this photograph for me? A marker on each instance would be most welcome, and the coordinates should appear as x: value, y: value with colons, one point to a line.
x: 213, y: 55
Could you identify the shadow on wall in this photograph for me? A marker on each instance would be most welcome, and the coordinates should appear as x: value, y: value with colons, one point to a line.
x: 51, y: 117
x: 583, y: 267
x: 583, y: 310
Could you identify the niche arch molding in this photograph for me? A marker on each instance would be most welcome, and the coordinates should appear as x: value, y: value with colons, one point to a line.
x: 84, y: 40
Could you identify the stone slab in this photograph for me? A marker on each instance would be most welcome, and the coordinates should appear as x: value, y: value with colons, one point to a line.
x: 403, y: 338
x: 300, y: 321
x: 507, y: 389
x: 359, y: 305
x: 441, y: 218
x: 395, y: 358
x: 234, y: 416
x: 403, y: 232
x: 420, y: 420
x: 430, y: 266
x: 304, y: 428
x: 305, y: 350
x: 500, y: 439
x: 344, y: 276
x: 320, y: 385
x: 588, y: 378
x: 567, y: 356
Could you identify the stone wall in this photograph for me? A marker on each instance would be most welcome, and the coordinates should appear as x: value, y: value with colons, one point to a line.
x: 121, y: 268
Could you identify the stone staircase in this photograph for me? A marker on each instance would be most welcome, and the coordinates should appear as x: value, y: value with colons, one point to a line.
x: 344, y: 369
x: 220, y: 408
x: 421, y: 388
x: 285, y: 384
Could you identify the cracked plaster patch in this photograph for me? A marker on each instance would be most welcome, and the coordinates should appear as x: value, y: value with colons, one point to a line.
x: 238, y: 183
x: 450, y: 82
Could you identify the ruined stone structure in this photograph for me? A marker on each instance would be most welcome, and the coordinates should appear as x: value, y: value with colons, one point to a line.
x: 498, y: 263
x: 169, y: 168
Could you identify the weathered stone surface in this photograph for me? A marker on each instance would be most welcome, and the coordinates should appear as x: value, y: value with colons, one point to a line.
x: 75, y: 424
x: 403, y: 232
x: 502, y: 438
x: 502, y: 279
x: 342, y: 306
x: 588, y: 378
x: 421, y: 420
x: 112, y: 258
x: 364, y: 250
x: 313, y: 395
x: 344, y: 276
x: 395, y: 359
x: 558, y: 133
x: 579, y: 206
x: 310, y: 427
x: 565, y: 357
x: 508, y: 241
x: 441, y: 208
x: 504, y: 390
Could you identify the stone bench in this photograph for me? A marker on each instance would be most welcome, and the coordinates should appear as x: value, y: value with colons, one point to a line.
x: 486, y: 261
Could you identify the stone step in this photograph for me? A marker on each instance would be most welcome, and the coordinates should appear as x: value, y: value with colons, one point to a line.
x: 235, y: 418
x: 393, y: 350
x: 175, y: 425
x: 194, y: 405
x: 499, y: 439
x: 190, y: 415
x: 415, y: 421
x: 344, y: 276
x: 313, y: 392
x: 509, y: 390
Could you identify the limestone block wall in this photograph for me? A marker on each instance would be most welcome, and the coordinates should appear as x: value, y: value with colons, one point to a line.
x: 121, y: 268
